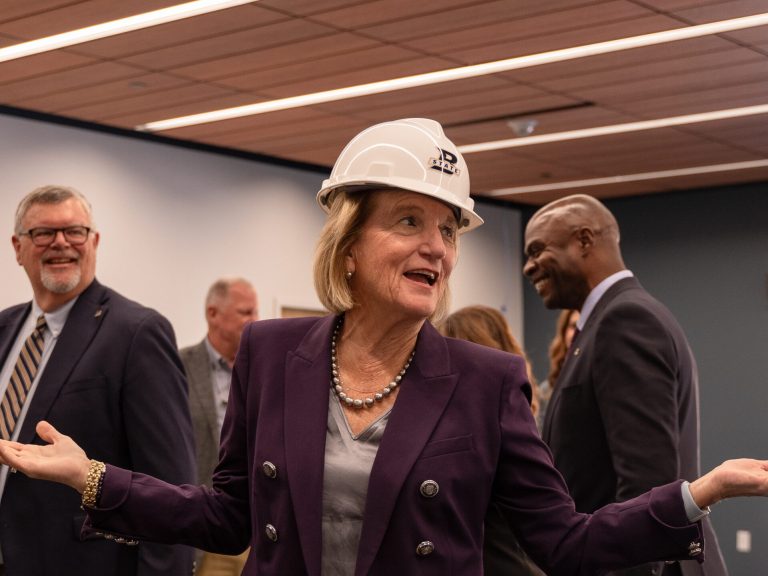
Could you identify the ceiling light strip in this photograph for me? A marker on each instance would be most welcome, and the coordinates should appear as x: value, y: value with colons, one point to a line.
x: 459, y: 73
x: 614, y: 129
x: 115, y: 27
x: 522, y: 190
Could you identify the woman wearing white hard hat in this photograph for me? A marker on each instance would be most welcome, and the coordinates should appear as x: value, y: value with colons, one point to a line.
x: 365, y: 443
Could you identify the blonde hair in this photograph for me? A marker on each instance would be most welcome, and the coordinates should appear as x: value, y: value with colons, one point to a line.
x: 487, y: 326
x: 349, y: 211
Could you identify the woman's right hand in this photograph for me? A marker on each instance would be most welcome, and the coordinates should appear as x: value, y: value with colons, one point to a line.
x: 60, y: 460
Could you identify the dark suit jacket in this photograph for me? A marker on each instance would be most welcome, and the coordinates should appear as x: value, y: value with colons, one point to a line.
x: 115, y: 384
x: 462, y: 419
x: 624, y: 414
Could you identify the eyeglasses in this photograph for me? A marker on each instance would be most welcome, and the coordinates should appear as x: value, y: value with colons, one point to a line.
x: 75, y: 235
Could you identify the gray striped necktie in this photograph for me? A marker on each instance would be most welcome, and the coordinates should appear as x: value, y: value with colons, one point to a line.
x: 21, y: 379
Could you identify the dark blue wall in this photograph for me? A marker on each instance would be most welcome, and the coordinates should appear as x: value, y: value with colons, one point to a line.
x: 705, y: 255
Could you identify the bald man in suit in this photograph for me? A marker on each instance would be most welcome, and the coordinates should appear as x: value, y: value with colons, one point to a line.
x: 624, y: 416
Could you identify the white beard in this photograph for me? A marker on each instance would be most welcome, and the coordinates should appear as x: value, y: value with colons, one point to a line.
x: 59, y: 286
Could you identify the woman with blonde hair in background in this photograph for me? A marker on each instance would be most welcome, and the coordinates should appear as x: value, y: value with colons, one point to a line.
x: 502, y: 553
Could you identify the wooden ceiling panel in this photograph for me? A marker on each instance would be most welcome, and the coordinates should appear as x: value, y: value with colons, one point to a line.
x: 15, y: 9
x: 303, y: 8
x: 506, y: 46
x: 184, y: 99
x: 716, y: 98
x: 705, y: 64
x: 183, y: 32
x: 298, y: 132
x: 240, y: 42
x: 683, y: 83
x: 232, y: 129
x: 705, y: 12
x: 60, y: 81
x: 623, y: 60
x: 556, y: 121
x: 38, y: 65
x: 72, y: 15
x: 362, y: 75
x: 138, y: 110
x: 278, y: 48
x: 399, y: 13
x: 488, y: 173
x: 65, y: 102
x: 313, y: 56
x: 336, y: 70
x: 435, y: 93
x: 616, y: 190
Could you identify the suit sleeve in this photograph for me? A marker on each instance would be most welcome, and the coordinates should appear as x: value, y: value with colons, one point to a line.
x: 158, y: 427
x: 636, y: 387
x: 534, y: 498
x: 142, y: 504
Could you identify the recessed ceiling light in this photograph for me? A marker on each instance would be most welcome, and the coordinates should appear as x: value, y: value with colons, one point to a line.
x: 115, y: 27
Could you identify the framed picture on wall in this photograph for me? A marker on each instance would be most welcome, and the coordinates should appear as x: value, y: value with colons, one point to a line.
x: 297, y: 312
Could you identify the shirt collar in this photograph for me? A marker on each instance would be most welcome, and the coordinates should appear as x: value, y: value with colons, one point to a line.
x: 597, y: 293
x: 56, y: 319
x: 217, y: 360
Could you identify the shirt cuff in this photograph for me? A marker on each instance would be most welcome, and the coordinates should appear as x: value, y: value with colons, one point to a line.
x: 693, y: 512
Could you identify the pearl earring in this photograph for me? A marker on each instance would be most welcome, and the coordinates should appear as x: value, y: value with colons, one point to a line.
x: 348, y: 276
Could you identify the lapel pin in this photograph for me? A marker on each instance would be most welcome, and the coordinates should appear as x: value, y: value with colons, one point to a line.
x: 577, y: 352
x: 98, y: 313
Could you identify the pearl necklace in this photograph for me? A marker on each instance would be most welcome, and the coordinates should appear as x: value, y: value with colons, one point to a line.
x: 366, y: 402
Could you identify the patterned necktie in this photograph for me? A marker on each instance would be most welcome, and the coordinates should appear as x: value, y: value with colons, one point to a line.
x: 21, y: 379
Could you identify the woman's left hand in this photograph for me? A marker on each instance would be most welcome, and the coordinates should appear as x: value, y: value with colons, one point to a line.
x: 741, y: 477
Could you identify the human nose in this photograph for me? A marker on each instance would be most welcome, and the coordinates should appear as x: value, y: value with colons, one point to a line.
x: 529, y: 267
x: 433, y: 244
x: 59, y: 238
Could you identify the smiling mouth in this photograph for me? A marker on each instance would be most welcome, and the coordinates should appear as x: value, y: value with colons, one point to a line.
x: 57, y: 261
x: 423, y: 276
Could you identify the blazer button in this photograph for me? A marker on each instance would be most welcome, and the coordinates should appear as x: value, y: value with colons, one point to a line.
x: 425, y: 548
x: 269, y: 469
x: 271, y: 532
x: 429, y: 488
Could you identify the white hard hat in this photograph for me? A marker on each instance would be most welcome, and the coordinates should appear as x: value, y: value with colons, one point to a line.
x: 410, y: 154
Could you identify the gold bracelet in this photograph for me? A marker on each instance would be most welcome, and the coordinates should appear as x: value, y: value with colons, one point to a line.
x: 93, y: 482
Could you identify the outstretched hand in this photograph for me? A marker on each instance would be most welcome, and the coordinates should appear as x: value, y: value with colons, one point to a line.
x: 742, y: 477
x: 61, y: 460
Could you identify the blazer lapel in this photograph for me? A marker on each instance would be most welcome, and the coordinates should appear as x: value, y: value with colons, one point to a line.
x: 424, y: 395
x: 10, y: 326
x: 584, y: 340
x: 81, y: 326
x: 307, y: 388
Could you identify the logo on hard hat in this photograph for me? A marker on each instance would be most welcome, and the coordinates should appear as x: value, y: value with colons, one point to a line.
x: 446, y: 163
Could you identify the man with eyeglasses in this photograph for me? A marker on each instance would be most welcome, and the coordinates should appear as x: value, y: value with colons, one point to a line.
x: 105, y: 371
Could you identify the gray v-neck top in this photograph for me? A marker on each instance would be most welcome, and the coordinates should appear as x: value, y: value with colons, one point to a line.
x: 348, y: 462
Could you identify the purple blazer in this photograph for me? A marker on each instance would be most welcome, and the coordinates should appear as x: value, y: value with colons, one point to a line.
x: 461, y: 419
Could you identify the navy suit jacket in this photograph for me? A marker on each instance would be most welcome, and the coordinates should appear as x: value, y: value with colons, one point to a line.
x: 462, y: 418
x: 624, y: 415
x: 114, y: 383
